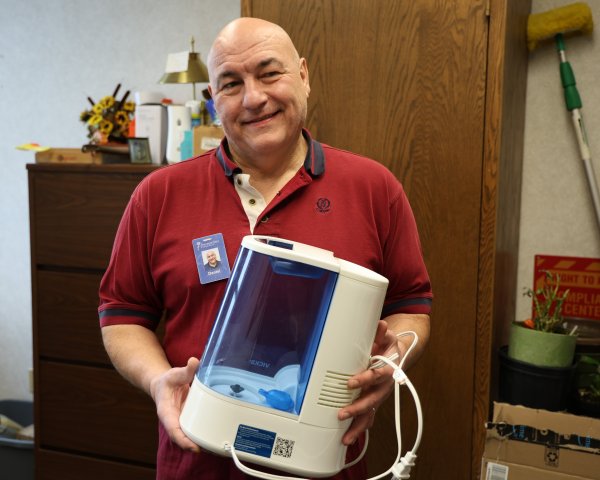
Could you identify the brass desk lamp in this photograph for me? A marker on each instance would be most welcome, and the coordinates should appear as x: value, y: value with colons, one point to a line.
x: 185, y: 67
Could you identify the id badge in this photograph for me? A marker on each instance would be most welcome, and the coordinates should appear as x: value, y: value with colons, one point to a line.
x: 211, y: 258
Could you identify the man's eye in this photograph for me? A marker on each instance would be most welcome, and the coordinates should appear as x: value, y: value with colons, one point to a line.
x: 229, y: 85
x: 271, y: 74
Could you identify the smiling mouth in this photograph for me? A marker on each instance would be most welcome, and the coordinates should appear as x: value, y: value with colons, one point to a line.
x: 260, y: 119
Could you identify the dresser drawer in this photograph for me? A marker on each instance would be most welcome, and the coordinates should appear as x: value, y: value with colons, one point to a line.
x: 75, y: 216
x: 67, y: 317
x: 89, y: 410
x: 56, y: 465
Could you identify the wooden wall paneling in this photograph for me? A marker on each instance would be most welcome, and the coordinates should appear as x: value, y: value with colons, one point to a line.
x: 501, y: 201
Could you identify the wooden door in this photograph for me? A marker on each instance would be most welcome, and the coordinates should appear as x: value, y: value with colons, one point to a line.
x: 407, y: 83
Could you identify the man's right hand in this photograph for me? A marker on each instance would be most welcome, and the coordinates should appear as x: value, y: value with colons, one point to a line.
x: 169, y: 391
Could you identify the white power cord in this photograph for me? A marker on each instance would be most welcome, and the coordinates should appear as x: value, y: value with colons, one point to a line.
x: 402, y: 465
x: 256, y: 473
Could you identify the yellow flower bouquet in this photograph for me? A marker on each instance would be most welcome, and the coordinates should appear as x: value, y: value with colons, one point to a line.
x: 108, y: 120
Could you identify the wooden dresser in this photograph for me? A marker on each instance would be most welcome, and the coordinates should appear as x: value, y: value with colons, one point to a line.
x: 89, y: 422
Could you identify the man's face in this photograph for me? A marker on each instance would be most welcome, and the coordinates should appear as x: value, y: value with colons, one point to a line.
x: 211, y: 258
x: 260, y: 89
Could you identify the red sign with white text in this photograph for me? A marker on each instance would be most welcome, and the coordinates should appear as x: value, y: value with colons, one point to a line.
x: 580, y: 275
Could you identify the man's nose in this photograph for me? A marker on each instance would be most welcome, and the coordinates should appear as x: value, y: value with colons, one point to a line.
x: 254, y: 95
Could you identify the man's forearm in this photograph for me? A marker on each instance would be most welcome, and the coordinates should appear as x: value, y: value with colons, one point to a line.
x: 418, y: 323
x: 136, y: 353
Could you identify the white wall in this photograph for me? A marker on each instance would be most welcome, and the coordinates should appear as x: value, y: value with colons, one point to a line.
x: 53, y: 55
x: 557, y: 215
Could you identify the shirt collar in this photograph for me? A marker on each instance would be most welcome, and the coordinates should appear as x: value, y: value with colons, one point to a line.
x: 314, y: 163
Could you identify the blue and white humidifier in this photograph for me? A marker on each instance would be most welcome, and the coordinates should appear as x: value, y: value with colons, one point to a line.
x: 294, y: 325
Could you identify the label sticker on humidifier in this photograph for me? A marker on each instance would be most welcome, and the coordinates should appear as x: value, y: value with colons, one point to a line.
x: 254, y: 440
x: 262, y: 442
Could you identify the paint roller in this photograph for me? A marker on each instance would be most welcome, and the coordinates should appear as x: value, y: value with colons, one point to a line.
x: 557, y: 24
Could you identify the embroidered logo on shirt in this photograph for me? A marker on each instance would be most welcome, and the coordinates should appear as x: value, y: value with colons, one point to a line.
x: 323, y: 205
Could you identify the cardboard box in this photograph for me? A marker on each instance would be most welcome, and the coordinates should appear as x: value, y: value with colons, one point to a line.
x: 528, y: 444
x: 207, y: 137
x: 66, y: 155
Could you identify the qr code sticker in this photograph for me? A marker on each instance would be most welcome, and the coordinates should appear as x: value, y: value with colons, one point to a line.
x: 283, y: 447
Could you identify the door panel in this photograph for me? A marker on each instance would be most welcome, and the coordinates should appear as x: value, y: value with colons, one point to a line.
x: 404, y: 83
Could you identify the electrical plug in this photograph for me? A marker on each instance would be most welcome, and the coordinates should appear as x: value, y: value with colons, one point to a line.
x: 402, y: 468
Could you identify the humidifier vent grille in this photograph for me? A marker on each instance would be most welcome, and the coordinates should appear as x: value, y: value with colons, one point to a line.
x: 334, y: 390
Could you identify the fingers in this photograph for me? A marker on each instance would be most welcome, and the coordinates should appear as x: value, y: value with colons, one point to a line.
x: 170, y: 419
x: 183, y: 375
x: 371, y: 377
x: 170, y: 394
x: 190, y: 369
x: 181, y: 440
x: 363, y: 412
x: 359, y: 425
x: 380, y: 337
x: 376, y: 384
x: 374, y: 394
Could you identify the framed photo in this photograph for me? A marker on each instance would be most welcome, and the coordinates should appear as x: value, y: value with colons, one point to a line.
x: 139, y: 150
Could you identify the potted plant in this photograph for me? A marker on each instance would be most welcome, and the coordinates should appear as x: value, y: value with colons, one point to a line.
x: 537, y: 366
x: 587, y: 392
x: 545, y: 340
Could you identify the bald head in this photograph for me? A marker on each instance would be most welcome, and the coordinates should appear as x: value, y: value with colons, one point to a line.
x: 260, y: 88
x: 244, y: 34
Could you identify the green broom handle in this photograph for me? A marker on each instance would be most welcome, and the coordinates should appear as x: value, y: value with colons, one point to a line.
x: 567, y: 77
x: 573, y: 102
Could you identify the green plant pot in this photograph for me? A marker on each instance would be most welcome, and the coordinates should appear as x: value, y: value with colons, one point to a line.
x: 543, y: 349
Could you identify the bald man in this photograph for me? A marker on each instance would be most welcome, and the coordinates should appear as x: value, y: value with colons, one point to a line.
x: 268, y: 177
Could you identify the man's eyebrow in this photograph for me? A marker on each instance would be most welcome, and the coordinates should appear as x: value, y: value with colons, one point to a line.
x: 270, y: 61
x: 225, y: 74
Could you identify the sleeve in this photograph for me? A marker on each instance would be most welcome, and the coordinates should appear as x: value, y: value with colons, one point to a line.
x: 127, y: 293
x: 409, y: 290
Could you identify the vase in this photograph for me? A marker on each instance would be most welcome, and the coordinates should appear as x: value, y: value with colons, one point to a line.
x: 522, y: 383
x: 543, y: 349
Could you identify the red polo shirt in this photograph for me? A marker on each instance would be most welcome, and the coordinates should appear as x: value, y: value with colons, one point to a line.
x: 339, y: 201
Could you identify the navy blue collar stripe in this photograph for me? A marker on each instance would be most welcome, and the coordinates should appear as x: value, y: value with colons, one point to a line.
x: 314, y: 163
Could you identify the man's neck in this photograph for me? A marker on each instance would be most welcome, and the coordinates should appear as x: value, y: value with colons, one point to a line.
x: 269, y: 174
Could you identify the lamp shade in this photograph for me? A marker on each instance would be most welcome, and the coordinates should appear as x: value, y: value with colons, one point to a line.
x: 196, y: 72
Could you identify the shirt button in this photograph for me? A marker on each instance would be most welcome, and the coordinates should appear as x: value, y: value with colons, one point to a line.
x: 239, y: 181
x: 252, y: 201
x: 265, y: 219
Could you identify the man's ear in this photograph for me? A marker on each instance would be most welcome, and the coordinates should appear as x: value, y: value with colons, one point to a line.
x: 304, y: 75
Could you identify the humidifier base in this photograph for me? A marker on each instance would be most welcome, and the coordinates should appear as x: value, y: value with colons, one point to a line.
x: 278, y: 441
